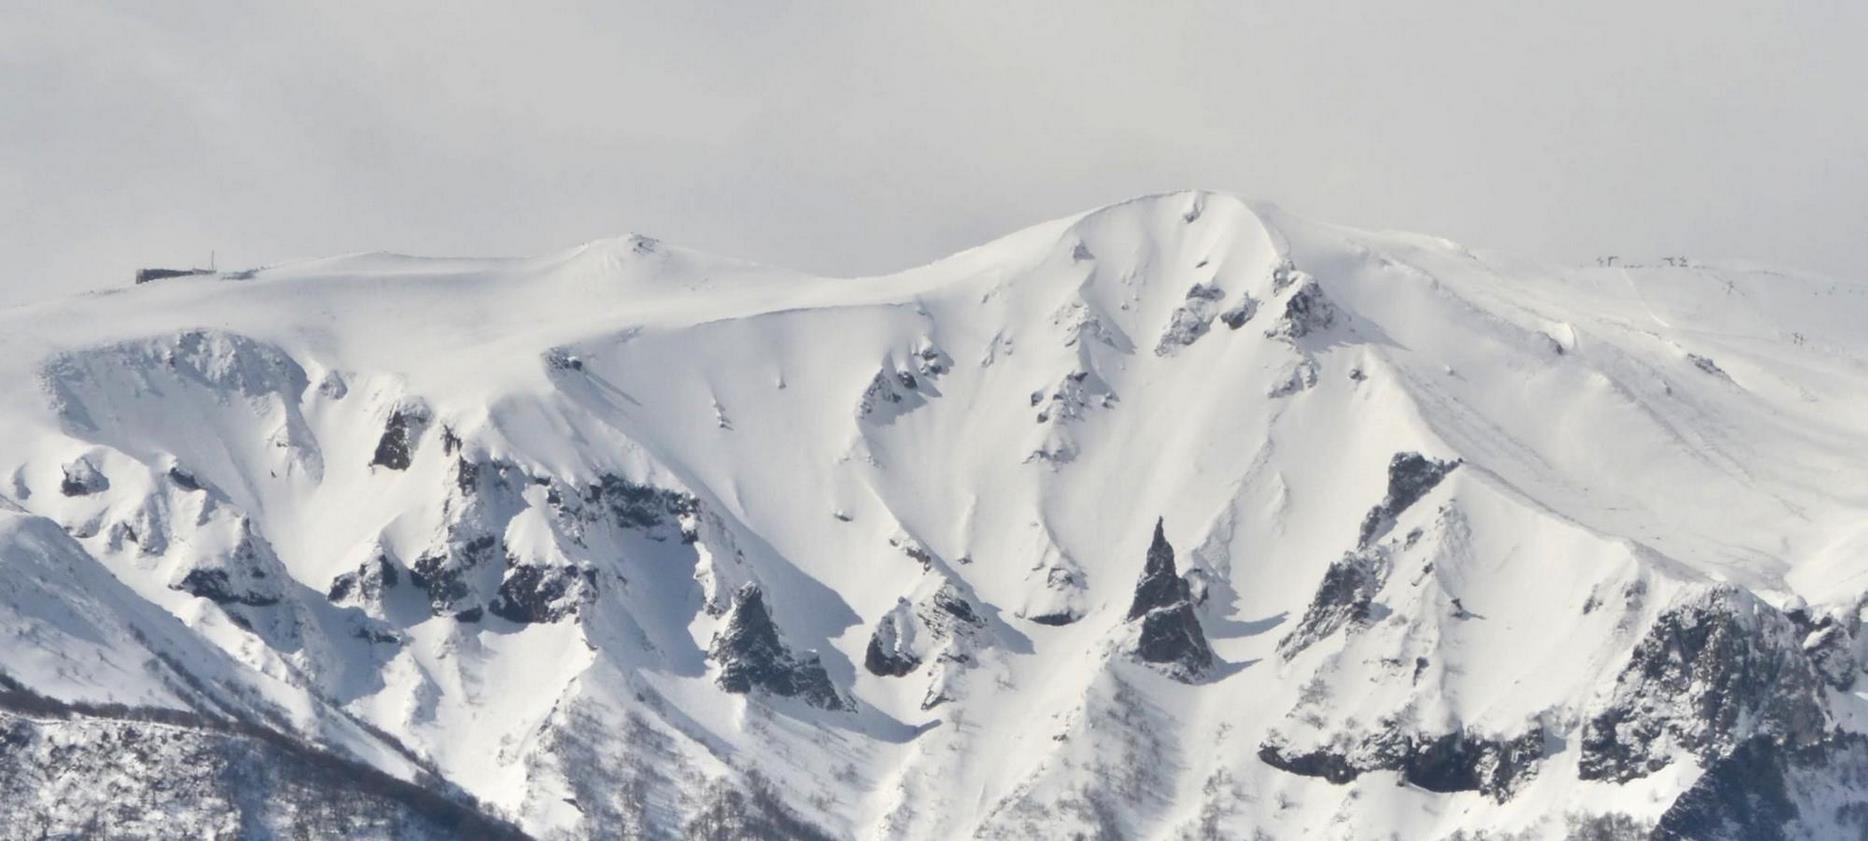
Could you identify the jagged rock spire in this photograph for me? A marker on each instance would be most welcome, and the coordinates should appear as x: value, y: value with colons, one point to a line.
x: 1159, y: 585
x: 1170, y: 630
x: 751, y: 656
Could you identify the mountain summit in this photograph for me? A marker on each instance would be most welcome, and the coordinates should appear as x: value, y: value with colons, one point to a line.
x: 630, y: 541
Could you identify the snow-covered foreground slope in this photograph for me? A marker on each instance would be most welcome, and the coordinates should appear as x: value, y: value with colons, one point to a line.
x: 1182, y: 518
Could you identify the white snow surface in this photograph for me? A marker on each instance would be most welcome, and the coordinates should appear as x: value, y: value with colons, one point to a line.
x: 1011, y: 419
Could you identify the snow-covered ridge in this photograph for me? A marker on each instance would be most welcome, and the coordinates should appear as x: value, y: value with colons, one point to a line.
x: 631, y: 541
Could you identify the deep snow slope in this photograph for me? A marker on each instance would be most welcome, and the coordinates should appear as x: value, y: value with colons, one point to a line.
x: 1182, y: 518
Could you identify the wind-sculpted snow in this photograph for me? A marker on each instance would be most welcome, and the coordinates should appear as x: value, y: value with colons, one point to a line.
x: 634, y: 542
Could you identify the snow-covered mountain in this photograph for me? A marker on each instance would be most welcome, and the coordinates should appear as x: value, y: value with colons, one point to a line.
x: 1182, y: 518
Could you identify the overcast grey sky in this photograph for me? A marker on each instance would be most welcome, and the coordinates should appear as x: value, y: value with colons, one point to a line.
x: 854, y: 138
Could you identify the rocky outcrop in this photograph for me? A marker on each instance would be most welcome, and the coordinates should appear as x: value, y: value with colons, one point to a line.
x: 1301, y: 376
x: 1832, y: 642
x: 249, y: 574
x: 896, y: 390
x: 469, y: 566
x: 1070, y: 400
x: 658, y: 512
x: 395, y: 450
x: 533, y: 593
x: 1346, y: 596
x: 82, y: 478
x: 1169, y: 632
x: 751, y: 656
x: 368, y: 584
x: 942, y: 626
x: 1445, y: 762
x: 1344, y: 599
x: 1763, y: 791
x: 1410, y: 477
x: 447, y: 571
x: 153, y: 274
x: 1306, y: 311
x: 1237, y: 315
x: 1191, y: 320
x: 1057, y: 593
x: 1712, y: 672
x: 891, y: 651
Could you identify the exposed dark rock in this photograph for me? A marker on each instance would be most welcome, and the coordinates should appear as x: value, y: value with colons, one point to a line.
x: 950, y: 601
x: 1331, y: 766
x: 890, y: 652
x: 890, y: 393
x: 1763, y: 791
x: 82, y: 478
x: 443, y: 573
x: 238, y: 578
x: 642, y: 507
x: 942, y: 626
x: 559, y: 359
x: 534, y: 593
x: 751, y: 656
x: 1741, y: 797
x: 1343, y: 599
x: 147, y: 275
x: 1830, y: 648
x: 1709, y: 674
x: 1447, y: 762
x: 931, y: 361
x: 1829, y: 641
x: 1170, y: 628
x: 1238, y: 314
x: 367, y: 583
x: 1301, y: 377
x: 1159, y: 585
x: 1305, y: 312
x: 184, y: 479
x: 1706, y: 365
x: 396, y: 449
x: 1410, y: 477
x: 216, y: 586
x: 1191, y: 320
x: 1055, y: 619
x: 1059, y: 597
x: 1284, y: 274
x: 1073, y: 397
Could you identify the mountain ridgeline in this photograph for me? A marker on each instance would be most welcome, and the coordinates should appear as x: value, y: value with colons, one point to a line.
x: 1183, y: 518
